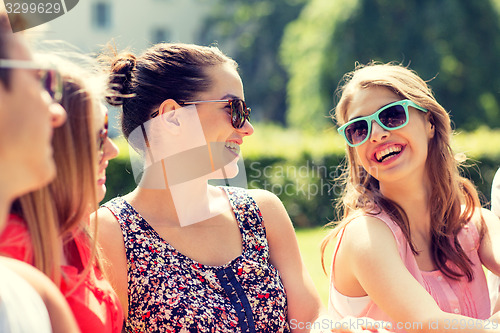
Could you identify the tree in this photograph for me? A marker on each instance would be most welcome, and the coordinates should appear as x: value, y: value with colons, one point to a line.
x: 453, y: 43
x: 251, y: 32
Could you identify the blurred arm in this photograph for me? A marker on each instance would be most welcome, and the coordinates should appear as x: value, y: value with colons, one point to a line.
x: 61, y: 316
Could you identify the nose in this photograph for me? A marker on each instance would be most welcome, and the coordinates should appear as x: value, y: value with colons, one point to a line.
x: 57, y: 114
x: 247, y: 129
x: 378, y: 133
x: 109, y: 150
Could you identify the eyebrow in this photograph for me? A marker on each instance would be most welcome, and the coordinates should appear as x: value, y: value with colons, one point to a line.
x: 230, y: 96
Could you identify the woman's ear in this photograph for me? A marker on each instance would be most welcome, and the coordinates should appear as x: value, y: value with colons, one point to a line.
x: 431, y: 128
x: 169, y: 115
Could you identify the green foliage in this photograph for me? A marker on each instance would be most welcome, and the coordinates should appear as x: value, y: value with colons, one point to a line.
x: 456, y: 42
x: 302, y: 167
x: 478, y: 144
x: 251, y: 32
x: 304, y: 52
x: 291, y: 144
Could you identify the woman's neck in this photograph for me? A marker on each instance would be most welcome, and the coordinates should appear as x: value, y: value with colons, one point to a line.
x: 5, y: 203
x: 413, y: 197
x: 181, y: 204
x: 4, y: 208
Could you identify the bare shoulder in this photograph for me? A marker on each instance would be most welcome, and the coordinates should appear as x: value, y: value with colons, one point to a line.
x: 112, y: 246
x: 109, y: 236
x: 108, y: 225
x: 103, y: 216
x: 365, y: 234
x: 265, y: 199
x: 366, y: 224
x: 489, y: 216
x: 273, y: 212
x: 486, y: 215
x: 279, y: 227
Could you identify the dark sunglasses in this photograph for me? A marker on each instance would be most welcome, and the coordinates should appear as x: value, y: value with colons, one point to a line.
x: 239, y: 110
x: 103, y: 134
x: 390, y: 117
x: 49, y: 78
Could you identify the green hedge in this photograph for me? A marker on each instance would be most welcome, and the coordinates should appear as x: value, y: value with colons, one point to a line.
x: 300, y: 167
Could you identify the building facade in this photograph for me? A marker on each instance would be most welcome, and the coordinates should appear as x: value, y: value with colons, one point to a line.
x: 131, y: 23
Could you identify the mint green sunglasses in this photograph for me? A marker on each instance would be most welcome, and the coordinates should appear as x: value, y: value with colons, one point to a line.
x: 390, y: 117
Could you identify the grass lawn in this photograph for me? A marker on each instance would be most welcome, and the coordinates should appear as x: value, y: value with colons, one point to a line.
x: 309, y: 243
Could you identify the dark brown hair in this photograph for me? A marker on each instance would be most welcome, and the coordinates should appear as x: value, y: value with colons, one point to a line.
x: 176, y: 71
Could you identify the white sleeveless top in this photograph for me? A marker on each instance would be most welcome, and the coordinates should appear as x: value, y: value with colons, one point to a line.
x: 21, y: 308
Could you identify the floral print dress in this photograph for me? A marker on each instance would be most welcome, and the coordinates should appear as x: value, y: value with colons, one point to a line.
x: 169, y: 292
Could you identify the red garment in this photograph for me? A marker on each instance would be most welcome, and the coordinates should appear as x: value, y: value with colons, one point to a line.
x: 94, y: 303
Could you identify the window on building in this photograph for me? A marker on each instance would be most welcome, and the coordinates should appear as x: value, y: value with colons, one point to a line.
x: 102, y: 15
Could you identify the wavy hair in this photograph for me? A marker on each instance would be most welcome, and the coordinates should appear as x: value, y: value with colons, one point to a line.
x: 449, y: 190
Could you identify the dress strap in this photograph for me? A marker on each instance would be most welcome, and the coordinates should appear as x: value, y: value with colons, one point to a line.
x: 337, y: 246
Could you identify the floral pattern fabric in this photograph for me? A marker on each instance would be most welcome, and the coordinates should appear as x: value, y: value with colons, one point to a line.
x: 169, y: 292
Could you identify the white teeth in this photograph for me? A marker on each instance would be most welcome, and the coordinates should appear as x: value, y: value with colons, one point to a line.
x: 232, y: 145
x: 381, y: 155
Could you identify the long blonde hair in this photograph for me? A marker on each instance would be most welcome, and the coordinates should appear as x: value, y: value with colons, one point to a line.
x: 449, y: 190
x: 60, y: 209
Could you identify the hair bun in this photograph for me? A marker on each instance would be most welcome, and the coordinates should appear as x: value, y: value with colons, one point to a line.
x: 120, y: 81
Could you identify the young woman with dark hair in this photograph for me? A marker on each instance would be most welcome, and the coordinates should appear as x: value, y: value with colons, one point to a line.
x: 185, y: 256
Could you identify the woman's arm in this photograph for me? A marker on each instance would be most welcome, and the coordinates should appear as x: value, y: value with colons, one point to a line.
x: 489, y: 249
x: 110, y: 240
x: 369, y: 254
x: 495, y: 194
x: 61, y: 317
x: 304, y: 304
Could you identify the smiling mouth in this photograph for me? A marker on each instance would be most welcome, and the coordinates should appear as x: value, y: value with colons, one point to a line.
x: 234, y: 147
x: 388, y: 152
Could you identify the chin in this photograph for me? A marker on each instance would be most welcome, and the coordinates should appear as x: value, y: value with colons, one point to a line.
x: 228, y: 171
x: 46, y: 173
x: 100, y: 192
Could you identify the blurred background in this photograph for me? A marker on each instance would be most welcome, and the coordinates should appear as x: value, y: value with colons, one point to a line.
x: 292, y: 55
